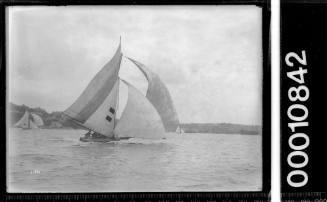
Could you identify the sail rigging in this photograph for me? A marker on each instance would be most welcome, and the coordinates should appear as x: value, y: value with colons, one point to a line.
x: 37, y: 119
x: 97, y: 90
x: 139, y: 118
x: 159, y: 96
x: 98, y: 108
x: 103, y: 119
x: 122, y: 99
x: 29, y: 121
x: 179, y: 130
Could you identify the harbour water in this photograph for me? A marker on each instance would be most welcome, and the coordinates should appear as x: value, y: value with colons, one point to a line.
x: 42, y: 160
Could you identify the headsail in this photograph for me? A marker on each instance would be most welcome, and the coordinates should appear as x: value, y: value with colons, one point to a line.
x: 139, y: 118
x: 37, y: 119
x: 26, y: 122
x: 179, y: 130
x: 32, y: 125
x: 159, y: 96
x: 96, y: 106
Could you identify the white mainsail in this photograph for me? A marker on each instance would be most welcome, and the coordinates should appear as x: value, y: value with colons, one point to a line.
x: 32, y: 125
x: 23, y: 121
x: 103, y: 119
x: 159, y: 96
x: 122, y: 99
x: 96, y: 107
x: 37, y: 119
x: 97, y: 90
x: 139, y: 118
x: 26, y: 122
x: 179, y: 130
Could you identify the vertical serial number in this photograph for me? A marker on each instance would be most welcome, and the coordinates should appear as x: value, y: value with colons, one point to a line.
x: 297, y: 114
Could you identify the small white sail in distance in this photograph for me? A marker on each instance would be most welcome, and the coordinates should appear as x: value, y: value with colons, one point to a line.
x: 159, y: 96
x: 26, y: 122
x: 179, y: 130
x: 37, y: 119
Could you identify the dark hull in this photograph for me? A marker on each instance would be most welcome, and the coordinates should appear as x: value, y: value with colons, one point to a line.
x: 90, y: 139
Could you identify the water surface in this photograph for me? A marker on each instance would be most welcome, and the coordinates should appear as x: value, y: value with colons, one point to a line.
x: 41, y: 160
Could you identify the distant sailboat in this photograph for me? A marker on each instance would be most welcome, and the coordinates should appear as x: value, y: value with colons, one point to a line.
x: 37, y: 119
x: 96, y: 107
x: 179, y: 130
x: 29, y: 121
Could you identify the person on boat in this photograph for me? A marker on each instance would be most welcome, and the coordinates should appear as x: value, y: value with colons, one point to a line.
x: 91, y: 135
x: 97, y: 135
x: 88, y: 134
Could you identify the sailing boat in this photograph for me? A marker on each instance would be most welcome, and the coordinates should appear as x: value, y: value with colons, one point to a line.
x: 29, y: 121
x: 143, y: 116
x: 179, y: 130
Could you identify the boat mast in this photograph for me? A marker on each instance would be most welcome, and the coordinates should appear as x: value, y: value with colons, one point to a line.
x: 117, y: 98
x: 117, y: 105
x: 117, y: 101
x: 29, y: 120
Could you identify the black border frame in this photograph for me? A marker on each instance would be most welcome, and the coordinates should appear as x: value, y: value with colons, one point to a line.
x: 263, y: 195
x: 303, y: 27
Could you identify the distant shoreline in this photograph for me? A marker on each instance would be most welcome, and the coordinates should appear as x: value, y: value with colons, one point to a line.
x: 221, y: 128
x: 56, y: 120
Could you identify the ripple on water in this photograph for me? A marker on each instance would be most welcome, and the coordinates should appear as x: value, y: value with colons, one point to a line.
x: 187, y: 162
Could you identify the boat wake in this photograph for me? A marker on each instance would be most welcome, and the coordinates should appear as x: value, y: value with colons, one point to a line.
x: 140, y: 141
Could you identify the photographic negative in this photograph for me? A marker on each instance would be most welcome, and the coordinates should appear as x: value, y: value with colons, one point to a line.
x: 134, y: 98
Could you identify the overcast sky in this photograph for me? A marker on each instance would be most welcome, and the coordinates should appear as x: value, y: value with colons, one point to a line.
x: 209, y: 57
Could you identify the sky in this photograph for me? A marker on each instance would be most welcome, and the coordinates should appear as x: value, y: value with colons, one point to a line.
x: 209, y: 57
